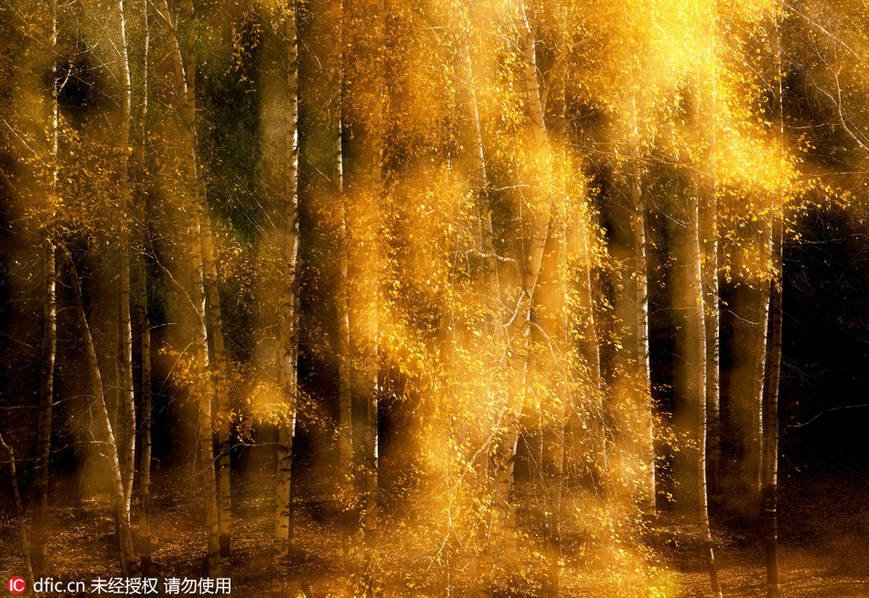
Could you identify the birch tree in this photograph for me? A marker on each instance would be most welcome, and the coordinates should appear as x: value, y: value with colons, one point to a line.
x: 641, y: 297
x: 362, y: 107
x: 280, y: 134
x: 105, y: 435
x: 144, y: 466
x: 19, y: 508
x: 535, y: 231
x: 125, y: 328
x: 49, y: 330
x: 772, y: 371
x: 199, y: 261
x: 698, y: 387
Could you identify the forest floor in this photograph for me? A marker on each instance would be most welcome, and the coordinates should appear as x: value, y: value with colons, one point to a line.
x: 824, y: 548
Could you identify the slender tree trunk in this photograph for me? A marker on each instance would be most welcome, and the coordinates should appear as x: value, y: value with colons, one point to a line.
x: 532, y: 86
x: 204, y: 394
x: 699, y: 381
x: 49, y: 340
x: 713, y: 324
x: 754, y: 449
x: 587, y: 306
x: 145, y: 547
x: 769, y: 460
x: 368, y: 386
x: 592, y: 350
x: 346, y: 356
x: 345, y: 367
x: 490, y: 280
x: 362, y: 117
x: 105, y: 437
x: 641, y: 310
x: 144, y: 531
x: 708, y: 196
x: 125, y: 330
x: 220, y: 385
x: 46, y: 400
x: 285, y: 172
x: 480, y: 174
x: 218, y: 361
x: 19, y: 510
x: 582, y: 324
x: 705, y: 282
x: 769, y: 470
x: 186, y: 82
x: 532, y: 245
x: 582, y: 327
x: 127, y: 417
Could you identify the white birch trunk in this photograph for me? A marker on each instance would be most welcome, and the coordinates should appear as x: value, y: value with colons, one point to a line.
x: 280, y: 130
x: 127, y: 416
x: 698, y: 387
x: 19, y: 511
x: 105, y: 436
x: 144, y: 530
x: 641, y: 300
x: 48, y: 351
x: 533, y: 241
x: 198, y: 228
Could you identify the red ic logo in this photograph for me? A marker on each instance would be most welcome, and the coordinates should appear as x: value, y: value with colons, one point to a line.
x: 17, y: 585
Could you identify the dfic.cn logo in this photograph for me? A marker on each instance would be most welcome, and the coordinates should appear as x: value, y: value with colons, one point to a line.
x: 17, y: 585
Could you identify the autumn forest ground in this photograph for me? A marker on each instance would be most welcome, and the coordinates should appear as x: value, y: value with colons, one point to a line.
x: 824, y: 524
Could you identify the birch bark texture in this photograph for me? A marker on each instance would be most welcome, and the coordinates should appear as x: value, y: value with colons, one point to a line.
x: 535, y: 231
x: 279, y: 111
x: 144, y: 320
x: 127, y: 419
x: 641, y: 306
x: 48, y: 349
x: 698, y: 373
x: 19, y: 509
x: 199, y: 226
x: 772, y: 374
x: 105, y: 436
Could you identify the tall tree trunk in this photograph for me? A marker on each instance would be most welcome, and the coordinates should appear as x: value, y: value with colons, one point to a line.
x: 127, y: 419
x: 753, y: 441
x: 144, y: 530
x: 220, y: 386
x: 199, y: 227
x: 708, y: 196
x: 480, y: 173
x: 19, y: 510
x: 641, y: 310
x: 218, y: 361
x: 754, y: 450
x: 591, y: 349
x: 769, y: 455
x: 46, y: 400
x: 205, y: 391
x: 49, y: 339
x: 698, y: 374
x: 362, y: 115
x: 280, y: 132
x: 713, y: 324
x: 588, y: 325
x: 105, y: 440
x: 490, y: 279
x: 769, y: 469
x: 536, y: 232
x: 346, y: 356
